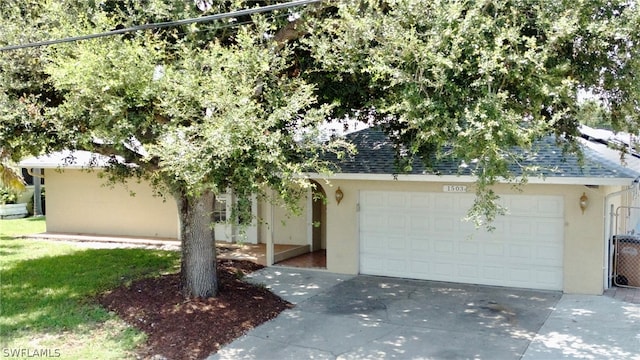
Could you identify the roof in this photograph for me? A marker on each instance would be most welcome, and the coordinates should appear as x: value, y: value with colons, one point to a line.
x: 376, y: 155
x: 68, y: 159
x: 375, y: 159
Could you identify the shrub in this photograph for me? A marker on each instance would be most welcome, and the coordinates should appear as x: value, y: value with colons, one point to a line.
x: 7, y: 196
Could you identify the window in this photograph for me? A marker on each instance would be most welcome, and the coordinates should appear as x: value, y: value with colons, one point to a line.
x: 220, y: 210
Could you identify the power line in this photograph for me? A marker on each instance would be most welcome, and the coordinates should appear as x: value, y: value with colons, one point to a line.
x: 207, y: 18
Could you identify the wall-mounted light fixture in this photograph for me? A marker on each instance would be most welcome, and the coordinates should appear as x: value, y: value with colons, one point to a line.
x: 339, y: 195
x: 584, y: 202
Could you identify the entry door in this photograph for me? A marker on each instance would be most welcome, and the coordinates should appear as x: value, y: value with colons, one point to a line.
x: 223, y: 229
x: 422, y: 236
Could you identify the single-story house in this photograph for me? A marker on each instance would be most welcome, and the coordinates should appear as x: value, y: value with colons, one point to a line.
x: 375, y: 221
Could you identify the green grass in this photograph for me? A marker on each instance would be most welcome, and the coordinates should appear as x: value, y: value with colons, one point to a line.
x: 46, y: 291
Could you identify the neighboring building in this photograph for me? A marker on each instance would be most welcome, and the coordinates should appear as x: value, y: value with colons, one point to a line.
x: 403, y: 225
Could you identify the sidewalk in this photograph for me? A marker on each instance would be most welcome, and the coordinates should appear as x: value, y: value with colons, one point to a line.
x: 589, y: 327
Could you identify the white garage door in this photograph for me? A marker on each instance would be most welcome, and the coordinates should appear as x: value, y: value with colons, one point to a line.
x: 422, y: 236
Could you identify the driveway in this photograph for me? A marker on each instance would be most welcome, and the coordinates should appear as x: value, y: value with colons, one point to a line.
x: 367, y: 317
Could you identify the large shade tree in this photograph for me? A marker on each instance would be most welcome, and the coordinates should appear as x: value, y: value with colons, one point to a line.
x: 202, y: 108
x: 477, y: 79
x: 197, y: 110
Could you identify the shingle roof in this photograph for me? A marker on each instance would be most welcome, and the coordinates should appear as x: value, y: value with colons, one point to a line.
x: 69, y: 159
x: 376, y: 155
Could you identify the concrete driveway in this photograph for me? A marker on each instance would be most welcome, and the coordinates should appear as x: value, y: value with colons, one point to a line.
x: 366, y: 317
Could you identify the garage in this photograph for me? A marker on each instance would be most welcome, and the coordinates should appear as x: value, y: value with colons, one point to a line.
x: 421, y: 235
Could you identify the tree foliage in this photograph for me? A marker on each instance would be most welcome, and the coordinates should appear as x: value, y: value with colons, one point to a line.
x: 479, y: 78
x: 198, y: 110
x: 205, y: 107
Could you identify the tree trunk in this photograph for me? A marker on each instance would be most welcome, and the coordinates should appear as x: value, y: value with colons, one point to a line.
x: 198, y: 266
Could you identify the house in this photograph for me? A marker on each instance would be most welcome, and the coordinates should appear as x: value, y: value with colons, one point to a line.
x: 554, y: 237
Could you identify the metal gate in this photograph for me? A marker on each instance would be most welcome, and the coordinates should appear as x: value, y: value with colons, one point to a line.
x: 626, y: 247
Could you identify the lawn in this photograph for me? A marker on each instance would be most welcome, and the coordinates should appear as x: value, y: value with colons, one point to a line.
x: 47, y: 289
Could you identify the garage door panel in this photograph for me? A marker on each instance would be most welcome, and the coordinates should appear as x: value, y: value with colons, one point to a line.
x: 428, y: 240
x: 520, y: 228
x: 467, y: 228
x: 445, y: 203
x: 441, y: 270
x: 397, y: 200
x: 521, y: 252
x: 375, y: 220
x: 399, y: 245
x: 420, y: 246
x: 372, y: 200
x: 420, y: 201
x: 443, y: 248
x: 469, y: 247
x: 419, y: 224
x: 464, y: 203
x: 422, y: 268
x: 540, y: 206
x: 444, y: 224
x: 395, y: 267
x: 550, y: 206
x: 396, y: 222
x: 372, y: 264
x: 375, y: 242
x: 468, y: 270
x: 493, y: 250
x: 384, y: 265
x: 493, y: 274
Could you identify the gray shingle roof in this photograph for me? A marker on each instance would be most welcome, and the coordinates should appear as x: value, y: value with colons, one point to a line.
x: 376, y: 155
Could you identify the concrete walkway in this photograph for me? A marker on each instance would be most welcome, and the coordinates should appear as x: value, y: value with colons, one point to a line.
x: 366, y: 317
x: 589, y: 327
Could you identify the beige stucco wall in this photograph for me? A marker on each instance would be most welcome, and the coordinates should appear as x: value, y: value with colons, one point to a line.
x: 288, y: 229
x: 114, y: 212
x: 78, y: 202
x: 584, y: 233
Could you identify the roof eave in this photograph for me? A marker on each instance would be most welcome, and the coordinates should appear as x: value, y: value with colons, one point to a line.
x: 550, y: 180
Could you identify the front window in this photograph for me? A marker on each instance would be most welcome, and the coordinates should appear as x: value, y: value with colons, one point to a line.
x: 220, y: 211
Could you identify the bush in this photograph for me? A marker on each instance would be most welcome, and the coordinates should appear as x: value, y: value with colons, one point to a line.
x: 7, y: 196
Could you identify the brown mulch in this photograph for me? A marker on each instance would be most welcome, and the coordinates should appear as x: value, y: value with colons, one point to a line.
x: 179, y: 328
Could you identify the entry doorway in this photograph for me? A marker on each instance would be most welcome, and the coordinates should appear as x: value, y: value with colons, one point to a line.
x: 314, y: 253
x: 318, y: 218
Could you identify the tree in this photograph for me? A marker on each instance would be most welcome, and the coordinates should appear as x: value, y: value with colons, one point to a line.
x: 474, y: 80
x: 197, y: 110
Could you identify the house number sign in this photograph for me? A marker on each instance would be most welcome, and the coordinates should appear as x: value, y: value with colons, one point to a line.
x: 454, y: 188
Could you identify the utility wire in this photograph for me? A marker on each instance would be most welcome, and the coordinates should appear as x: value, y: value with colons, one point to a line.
x: 207, y: 18
x: 230, y: 25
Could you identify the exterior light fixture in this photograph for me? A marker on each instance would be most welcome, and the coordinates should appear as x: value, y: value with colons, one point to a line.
x: 339, y: 195
x: 584, y: 202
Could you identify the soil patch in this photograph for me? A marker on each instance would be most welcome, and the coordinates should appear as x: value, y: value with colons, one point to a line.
x: 179, y: 328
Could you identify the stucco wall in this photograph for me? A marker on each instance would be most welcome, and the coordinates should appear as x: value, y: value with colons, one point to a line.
x: 114, y: 212
x: 288, y: 229
x: 77, y: 202
x: 583, y: 244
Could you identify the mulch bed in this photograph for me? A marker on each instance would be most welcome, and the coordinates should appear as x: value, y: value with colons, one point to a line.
x: 179, y: 328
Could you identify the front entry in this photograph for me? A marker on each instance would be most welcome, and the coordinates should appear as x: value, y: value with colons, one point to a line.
x: 318, y: 218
